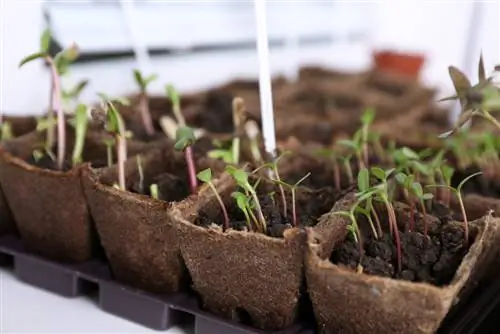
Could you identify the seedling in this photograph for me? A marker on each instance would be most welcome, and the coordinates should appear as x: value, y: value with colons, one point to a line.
x: 366, y: 120
x: 477, y: 100
x: 143, y: 82
x: 366, y: 194
x: 58, y: 67
x: 458, y: 193
x: 293, y: 190
x: 71, y: 97
x: 241, y: 178
x: 346, y: 162
x: 116, y: 127
x: 353, y: 227
x: 153, y: 190
x: 382, y: 193
x: 6, y: 131
x: 356, y: 146
x: 140, y: 170
x: 205, y: 176
x: 185, y: 139
x: 332, y: 156
x: 81, y: 123
x: 252, y: 133
x: 239, y: 118
x: 244, y: 204
x: 422, y: 197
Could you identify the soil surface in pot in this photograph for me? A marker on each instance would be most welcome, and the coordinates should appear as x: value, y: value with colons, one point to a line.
x: 171, y: 187
x: 432, y: 260
x: 46, y: 162
x: 310, y: 205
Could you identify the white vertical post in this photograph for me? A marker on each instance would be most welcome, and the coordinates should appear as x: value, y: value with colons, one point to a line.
x: 138, y: 45
x: 266, y: 96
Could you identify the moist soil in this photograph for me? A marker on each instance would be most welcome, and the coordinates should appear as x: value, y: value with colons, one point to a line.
x: 46, y: 162
x: 432, y: 260
x: 171, y: 187
x: 311, y: 204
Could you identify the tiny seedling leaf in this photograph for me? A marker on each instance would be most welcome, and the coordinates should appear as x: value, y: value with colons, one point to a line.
x: 379, y: 173
x: 447, y: 172
x: 138, y: 79
x: 81, y: 124
x: 401, y: 178
x: 153, y: 189
x: 32, y: 57
x: 184, y: 138
x: 363, y: 179
x: 240, y: 176
x: 172, y: 94
x: 368, y: 116
x: 417, y: 189
x: 409, y: 153
x: 348, y: 143
x: 45, y: 41
x: 205, y: 175
x: 427, y: 196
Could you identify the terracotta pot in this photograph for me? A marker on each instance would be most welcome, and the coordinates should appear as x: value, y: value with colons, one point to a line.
x: 406, y: 64
x: 136, y: 231
x: 57, y: 224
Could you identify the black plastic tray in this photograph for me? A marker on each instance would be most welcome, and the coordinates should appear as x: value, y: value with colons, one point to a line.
x: 155, y: 312
x: 479, y: 314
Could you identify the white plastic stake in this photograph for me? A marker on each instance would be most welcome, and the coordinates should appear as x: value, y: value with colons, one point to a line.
x: 138, y: 45
x: 266, y: 95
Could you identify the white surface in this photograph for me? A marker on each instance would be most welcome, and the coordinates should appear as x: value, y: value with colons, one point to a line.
x: 265, y: 87
x: 24, y: 309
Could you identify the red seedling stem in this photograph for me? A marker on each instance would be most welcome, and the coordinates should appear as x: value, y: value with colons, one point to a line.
x: 188, y: 152
x: 394, y: 224
x: 121, y: 156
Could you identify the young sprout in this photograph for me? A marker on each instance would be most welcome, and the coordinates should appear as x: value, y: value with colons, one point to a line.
x: 239, y: 118
x: 140, y: 170
x: 356, y: 146
x: 252, y: 132
x: 478, y: 100
x: 153, y: 189
x: 241, y: 178
x: 72, y: 96
x: 185, y: 139
x: 346, y: 162
x: 406, y: 181
x: 58, y: 67
x: 143, y: 82
x: 382, y: 194
x: 422, y: 197
x: 332, y: 156
x: 37, y: 155
x: 447, y: 174
x: 353, y: 227
x: 116, y: 127
x: 244, y: 204
x: 366, y: 194
x: 6, y: 131
x: 205, y: 176
x: 81, y: 123
x: 458, y: 193
x: 366, y: 121
x: 293, y: 190
x: 273, y: 166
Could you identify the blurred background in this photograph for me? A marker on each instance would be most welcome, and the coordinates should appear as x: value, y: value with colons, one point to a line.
x: 199, y: 44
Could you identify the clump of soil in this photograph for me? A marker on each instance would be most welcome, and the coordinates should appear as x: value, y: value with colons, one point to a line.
x: 433, y: 259
x: 310, y: 205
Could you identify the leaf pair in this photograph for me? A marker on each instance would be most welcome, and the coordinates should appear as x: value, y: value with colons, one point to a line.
x: 143, y: 81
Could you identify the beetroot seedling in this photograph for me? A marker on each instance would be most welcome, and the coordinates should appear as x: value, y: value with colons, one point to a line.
x: 243, y: 201
x: 293, y: 190
x: 458, y: 193
x: 58, y: 67
x: 185, y: 139
x: 81, y: 121
x: 353, y: 228
x: 205, y: 176
x: 143, y: 82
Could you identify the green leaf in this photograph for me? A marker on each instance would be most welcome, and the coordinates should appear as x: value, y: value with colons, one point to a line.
x: 139, y: 80
x: 44, y: 123
x: 45, y: 41
x: 368, y: 116
x: 205, y: 175
x: 153, y: 189
x: 401, y: 178
x: 447, y: 172
x: 32, y: 57
x: 379, y: 173
x: 460, y: 81
x: 417, y: 189
x: 224, y: 155
x: 150, y: 79
x: 241, y: 200
x: 409, y: 153
x: 184, y: 137
x: 6, y: 131
x: 79, y: 88
x: 239, y: 175
x: 37, y: 155
x: 172, y: 94
x: 348, y: 143
x: 363, y: 179
x: 81, y: 124
x: 362, y: 210
x: 461, y: 184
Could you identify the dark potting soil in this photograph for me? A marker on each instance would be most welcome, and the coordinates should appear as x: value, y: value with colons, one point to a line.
x: 433, y: 259
x: 479, y: 184
x: 46, y: 162
x: 171, y: 188
x: 310, y: 205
